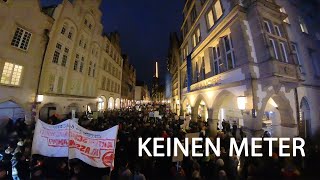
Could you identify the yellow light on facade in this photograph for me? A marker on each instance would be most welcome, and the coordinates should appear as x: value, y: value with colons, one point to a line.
x: 178, y: 102
x: 242, y: 100
x: 274, y: 104
x: 157, y: 72
x: 40, y: 98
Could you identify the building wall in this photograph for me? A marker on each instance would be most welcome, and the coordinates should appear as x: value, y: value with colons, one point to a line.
x: 12, y: 16
x: 256, y: 60
x: 78, y: 73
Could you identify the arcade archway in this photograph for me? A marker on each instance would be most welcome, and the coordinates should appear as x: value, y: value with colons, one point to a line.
x: 304, y: 119
x: 186, y: 107
x: 225, y: 108
x: 201, y: 109
x: 12, y: 110
x: 48, y: 110
x: 111, y: 103
x: 117, y: 103
x: 278, y: 117
x: 101, y: 103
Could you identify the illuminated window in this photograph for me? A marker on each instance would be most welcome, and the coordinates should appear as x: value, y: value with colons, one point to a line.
x: 303, y: 26
x: 100, y: 104
x: 21, y: 39
x: 210, y: 20
x: 196, y: 38
x: 11, y: 74
x: 218, y: 10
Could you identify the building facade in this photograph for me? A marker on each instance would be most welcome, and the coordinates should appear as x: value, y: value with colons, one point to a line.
x: 128, y: 83
x: 253, y: 63
x: 82, y: 68
x: 142, y: 95
x: 22, y: 47
x: 173, y: 67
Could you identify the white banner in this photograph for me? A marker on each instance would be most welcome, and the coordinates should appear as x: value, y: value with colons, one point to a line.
x: 68, y: 139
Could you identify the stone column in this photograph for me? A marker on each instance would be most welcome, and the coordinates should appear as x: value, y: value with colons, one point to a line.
x: 194, y: 114
x: 213, y: 123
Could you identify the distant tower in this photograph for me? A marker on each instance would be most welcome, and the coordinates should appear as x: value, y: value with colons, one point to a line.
x: 155, y: 83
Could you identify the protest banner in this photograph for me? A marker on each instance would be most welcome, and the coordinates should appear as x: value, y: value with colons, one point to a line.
x: 92, y: 147
x: 51, y: 140
x: 68, y: 139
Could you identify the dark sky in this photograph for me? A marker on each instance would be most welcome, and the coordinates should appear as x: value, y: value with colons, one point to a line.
x: 144, y: 27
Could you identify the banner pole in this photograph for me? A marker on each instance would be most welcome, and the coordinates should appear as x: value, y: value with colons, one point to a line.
x: 69, y: 168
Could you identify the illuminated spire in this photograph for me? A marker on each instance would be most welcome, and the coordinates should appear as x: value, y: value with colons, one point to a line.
x: 157, y: 72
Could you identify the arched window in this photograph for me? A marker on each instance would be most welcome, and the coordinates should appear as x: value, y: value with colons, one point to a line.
x: 64, y: 28
x: 71, y: 32
x: 100, y: 104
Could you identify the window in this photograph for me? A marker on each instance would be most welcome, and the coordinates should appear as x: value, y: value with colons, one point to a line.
x: 108, y: 84
x: 11, y: 74
x: 89, y: 69
x: 51, y: 81
x: 85, y: 21
x: 103, y: 83
x: 193, y: 15
x: 210, y: 20
x: 70, y: 33
x: 196, y: 37
x: 75, y: 65
x: 60, y: 84
x: 283, y: 52
x: 296, y: 56
x: 218, y: 10
x: 277, y: 29
x: 65, y: 57
x: 185, y: 29
x: 56, y: 54
x: 21, y: 39
x: 217, y: 62
x: 267, y: 26
x: 274, y: 52
x: 203, y: 70
x: 94, y: 69
x: 229, y: 52
x: 81, y: 64
x: 303, y: 26
x: 64, y: 28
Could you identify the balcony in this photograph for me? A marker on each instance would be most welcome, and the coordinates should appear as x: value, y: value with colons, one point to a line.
x: 279, y: 69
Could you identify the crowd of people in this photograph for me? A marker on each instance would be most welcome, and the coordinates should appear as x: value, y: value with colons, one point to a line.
x: 16, y: 161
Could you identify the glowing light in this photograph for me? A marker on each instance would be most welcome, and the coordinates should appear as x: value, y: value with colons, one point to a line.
x: 274, y: 104
x: 242, y: 100
x: 157, y: 73
x: 39, y: 98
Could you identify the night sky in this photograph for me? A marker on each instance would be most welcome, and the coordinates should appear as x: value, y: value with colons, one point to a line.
x: 144, y: 27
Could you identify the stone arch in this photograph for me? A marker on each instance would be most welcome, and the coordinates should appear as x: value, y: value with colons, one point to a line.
x: 277, y: 115
x: 225, y: 108
x: 49, y: 109
x: 117, y: 103
x: 111, y: 103
x: 186, y: 106
x: 102, y: 103
x: 201, y: 108
x: 12, y: 110
x: 304, y: 118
